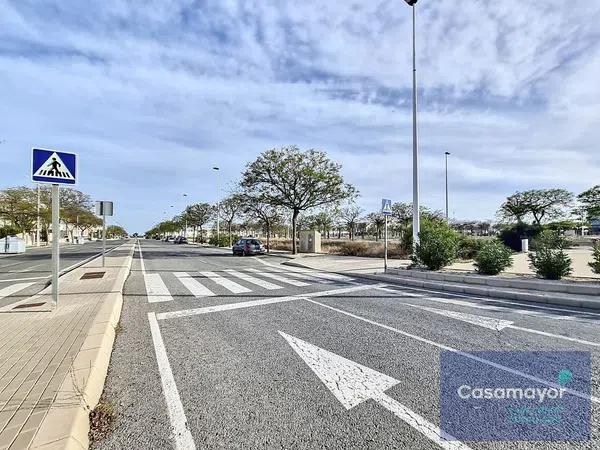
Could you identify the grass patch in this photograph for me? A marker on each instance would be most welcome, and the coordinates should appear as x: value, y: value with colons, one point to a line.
x: 102, y: 419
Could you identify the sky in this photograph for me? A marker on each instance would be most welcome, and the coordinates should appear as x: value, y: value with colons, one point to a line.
x: 152, y: 94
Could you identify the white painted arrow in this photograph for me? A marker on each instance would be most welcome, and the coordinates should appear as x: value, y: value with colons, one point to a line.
x: 352, y: 383
x: 482, y: 321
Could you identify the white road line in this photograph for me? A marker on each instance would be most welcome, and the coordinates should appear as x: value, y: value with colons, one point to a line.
x: 352, y: 384
x: 29, y: 269
x: 9, y: 290
x: 194, y: 286
x: 180, y: 432
x: 254, y: 280
x: 24, y: 279
x: 305, y: 276
x: 495, y: 300
x: 279, y: 278
x: 556, y: 336
x: 156, y: 289
x: 231, y: 286
x: 419, y: 423
x: 266, y: 301
x: 459, y: 352
x: 330, y: 276
x: 142, y: 264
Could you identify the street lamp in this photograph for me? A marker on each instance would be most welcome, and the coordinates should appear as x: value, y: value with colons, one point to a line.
x: 185, y: 215
x: 447, y: 216
x: 416, y: 217
x: 218, y: 202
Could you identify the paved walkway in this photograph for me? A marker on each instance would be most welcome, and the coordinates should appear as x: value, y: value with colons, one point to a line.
x: 39, y: 350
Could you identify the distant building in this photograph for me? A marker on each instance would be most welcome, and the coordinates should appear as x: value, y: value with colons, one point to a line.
x: 595, y: 226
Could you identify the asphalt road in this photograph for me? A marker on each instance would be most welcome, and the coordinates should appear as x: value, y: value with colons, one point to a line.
x: 25, y: 274
x: 210, y: 358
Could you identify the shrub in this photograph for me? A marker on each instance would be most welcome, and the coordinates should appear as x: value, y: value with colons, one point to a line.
x: 511, y: 235
x: 223, y: 240
x: 352, y: 248
x: 468, y: 247
x: 595, y: 264
x: 550, y: 260
x: 437, y: 247
x: 493, y: 258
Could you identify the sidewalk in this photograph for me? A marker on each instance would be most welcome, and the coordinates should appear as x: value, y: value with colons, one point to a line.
x: 54, y: 363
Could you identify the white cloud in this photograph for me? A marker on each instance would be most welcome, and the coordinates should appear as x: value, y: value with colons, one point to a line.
x: 168, y: 89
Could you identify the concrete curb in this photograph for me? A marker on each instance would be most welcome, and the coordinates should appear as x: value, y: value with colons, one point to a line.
x: 67, y: 423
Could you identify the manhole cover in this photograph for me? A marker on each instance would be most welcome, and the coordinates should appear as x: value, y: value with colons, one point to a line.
x: 29, y: 305
x: 89, y: 275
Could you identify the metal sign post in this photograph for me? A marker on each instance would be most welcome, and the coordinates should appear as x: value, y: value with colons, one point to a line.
x: 55, y: 242
x: 386, y: 210
x: 55, y: 168
x: 103, y: 240
x: 385, y: 245
x: 104, y: 209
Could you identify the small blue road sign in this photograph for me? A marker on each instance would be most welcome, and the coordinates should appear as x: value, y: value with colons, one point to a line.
x: 386, y: 207
x: 49, y: 166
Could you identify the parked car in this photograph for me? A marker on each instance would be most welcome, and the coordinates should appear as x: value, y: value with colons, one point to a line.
x: 180, y: 240
x: 168, y: 239
x: 248, y: 246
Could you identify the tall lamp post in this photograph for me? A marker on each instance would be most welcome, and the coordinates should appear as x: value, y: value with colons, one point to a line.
x: 218, y: 202
x: 416, y: 212
x: 185, y: 215
x: 447, y: 216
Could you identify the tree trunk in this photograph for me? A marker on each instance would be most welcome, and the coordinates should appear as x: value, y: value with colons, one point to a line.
x: 294, y: 218
x: 229, y: 229
x: 268, y: 237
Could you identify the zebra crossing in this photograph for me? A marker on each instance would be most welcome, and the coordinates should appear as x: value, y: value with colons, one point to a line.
x: 229, y: 281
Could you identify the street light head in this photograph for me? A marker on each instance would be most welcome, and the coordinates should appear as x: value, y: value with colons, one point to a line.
x: 215, y: 168
x: 411, y: 2
x: 447, y: 153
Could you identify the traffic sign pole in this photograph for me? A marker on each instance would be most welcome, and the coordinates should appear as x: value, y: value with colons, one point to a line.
x: 103, y: 239
x: 385, y: 244
x: 55, y: 241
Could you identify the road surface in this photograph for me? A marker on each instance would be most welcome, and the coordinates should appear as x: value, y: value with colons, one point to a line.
x: 223, y: 352
x: 25, y: 274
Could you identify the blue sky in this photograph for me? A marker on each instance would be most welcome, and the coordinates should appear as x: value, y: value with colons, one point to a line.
x: 152, y: 94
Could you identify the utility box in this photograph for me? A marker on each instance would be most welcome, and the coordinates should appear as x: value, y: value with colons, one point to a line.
x: 310, y: 242
x: 12, y: 244
x: 524, y: 244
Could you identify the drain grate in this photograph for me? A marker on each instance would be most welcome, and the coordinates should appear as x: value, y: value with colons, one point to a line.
x: 89, y: 275
x: 29, y: 305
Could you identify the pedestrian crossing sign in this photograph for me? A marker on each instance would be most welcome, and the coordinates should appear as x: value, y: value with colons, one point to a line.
x: 386, y: 207
x: 50, y: 166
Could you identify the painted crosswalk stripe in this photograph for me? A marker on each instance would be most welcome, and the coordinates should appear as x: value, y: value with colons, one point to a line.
x: 194, y: 286
x: 254, y: 280
x: 331, y: 276
x: 226, y: 283
x: 156, y: 289
x: 279, y: 278
x: 9, y: 290
x: 306, y: 276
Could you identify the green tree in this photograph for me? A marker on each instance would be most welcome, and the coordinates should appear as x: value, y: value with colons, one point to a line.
x: 18, y: 207
x: 231, y: 207
x: 350, y: 215
x: 297, y: 180
x: 590, y: 200
x: 115, y: 231
x: 266, y: 215
x: 542, y: 204
x: 199, y: 215
x: 377, y: 221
